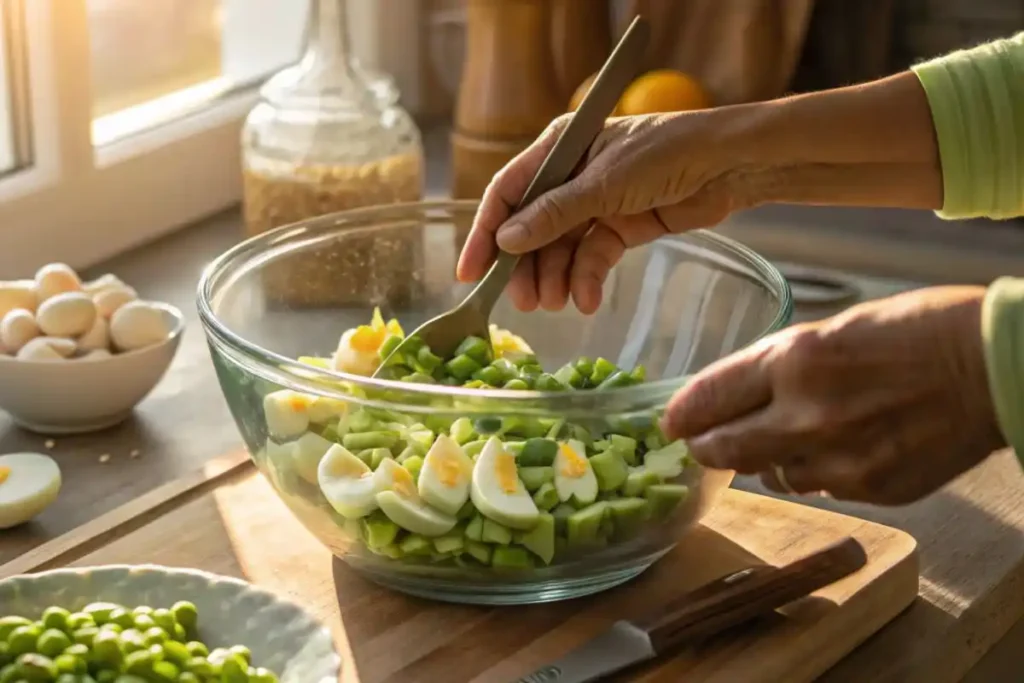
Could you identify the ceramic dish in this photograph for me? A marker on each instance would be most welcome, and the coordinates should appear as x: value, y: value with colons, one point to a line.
x: 282, y: 636
x: 84, y: 395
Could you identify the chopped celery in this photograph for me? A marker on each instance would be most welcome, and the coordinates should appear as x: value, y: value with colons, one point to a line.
x: 495, y: 533
x: 414, y: 544
x: 452, y: 542
x: 540, y: 540
x: 538, y: 453
x: 546, y: 496
x: 610, y: 469
x: 535, y: 477
x: 638, y: 481
x: 585, y: 526
x: 510, y: 557
x: 481, y: 552
x: 462, y: 431
x: 664, y: 498
x: 475, y: 529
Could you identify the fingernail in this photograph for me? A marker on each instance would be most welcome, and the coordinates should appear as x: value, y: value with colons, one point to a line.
x: 509, y: 236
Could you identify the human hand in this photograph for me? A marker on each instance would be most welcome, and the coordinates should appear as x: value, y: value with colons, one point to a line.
x: 644, y: 176
x: 883, y: 403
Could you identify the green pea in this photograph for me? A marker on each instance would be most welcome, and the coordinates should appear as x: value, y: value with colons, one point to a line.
x: 107, y: 676
x: 79, y: 620
x: 180, y: 634
x: 23, y: 640
x: 462, y: 367
x: 129, y: 678
x: 85, y: 636
x: 476, y: 348
x: 197, y: 649
x: 106, y: 648
x: 548, y: 382
x: 111, y: 627
x: 100, y: 611
x: 165, y: 672
x: 69, y: 664
x: 188, y: 677
x: 200, y: 667
x: 218, y: 655
x: 155, y: 636
x: 186, y: 614
x: 36, y: 668
x: 8, y: 624
x: 261, y: 675
x: 52, y: 642
x: 56, y: 617
x: 164, y: 618
x: 69, y: 678
x: 9, y: 674
x: 139, y: 663
x: 234, y: 670
x: 143, y: 622
x: 176, y: 652
x: 132, y: 640
x: 517, y: 384
x: 122, y: 618
x: 243, y: 652
x: 5, y: 655
x: 142, y: 609
x: 77, y: 650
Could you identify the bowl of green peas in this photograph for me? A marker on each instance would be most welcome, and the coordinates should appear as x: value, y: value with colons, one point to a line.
x: 151, y: 624
x: 525, y: 467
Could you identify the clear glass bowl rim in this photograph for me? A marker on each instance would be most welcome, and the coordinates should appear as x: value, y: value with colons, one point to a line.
x: 224, y: 270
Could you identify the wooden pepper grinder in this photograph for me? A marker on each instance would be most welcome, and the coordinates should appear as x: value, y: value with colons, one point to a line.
x: 581, y: 39
x: 507, y: 95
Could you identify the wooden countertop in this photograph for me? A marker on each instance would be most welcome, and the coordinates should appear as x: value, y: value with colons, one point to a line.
x: 971, y: 534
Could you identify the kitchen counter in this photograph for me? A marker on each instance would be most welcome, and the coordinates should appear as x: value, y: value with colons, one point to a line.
x: 971, y: 534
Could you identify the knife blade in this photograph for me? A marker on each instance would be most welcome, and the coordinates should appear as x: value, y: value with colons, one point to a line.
x: 729, y: 601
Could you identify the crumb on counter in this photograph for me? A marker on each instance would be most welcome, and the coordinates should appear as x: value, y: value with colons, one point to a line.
x: 105, y: 457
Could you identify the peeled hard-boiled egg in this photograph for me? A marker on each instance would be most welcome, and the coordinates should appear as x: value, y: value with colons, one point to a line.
x: 287, y: 413
x: 574, y: 476
x: 47, y: 348
x: 498, y: 492
x: 347, y: 483
x: 138, y: 324
x: 308, y: 451
x: 18, y: 294
x: 17, y: 328
x: 398, y: 498
x: 67, y: 314
x: 445, y: 475
x: 350, y: 358
x: 29, y: 483
x: 56, y: 278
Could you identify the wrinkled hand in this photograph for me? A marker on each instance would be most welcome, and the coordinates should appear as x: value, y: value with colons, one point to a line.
x: 644, y: 176
x: 883, y: 403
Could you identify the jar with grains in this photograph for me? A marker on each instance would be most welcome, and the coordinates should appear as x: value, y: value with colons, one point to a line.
x: 328, y: 136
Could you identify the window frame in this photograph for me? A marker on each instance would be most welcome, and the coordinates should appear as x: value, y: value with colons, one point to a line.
x: 80, y: 205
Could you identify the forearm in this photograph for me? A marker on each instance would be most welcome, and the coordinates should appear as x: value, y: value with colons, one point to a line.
x: 865, y: 145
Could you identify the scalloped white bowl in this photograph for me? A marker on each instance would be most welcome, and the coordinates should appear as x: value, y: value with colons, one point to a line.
x: 280, y: 634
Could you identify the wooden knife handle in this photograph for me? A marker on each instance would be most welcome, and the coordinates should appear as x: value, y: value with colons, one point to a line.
x: 745, y: 595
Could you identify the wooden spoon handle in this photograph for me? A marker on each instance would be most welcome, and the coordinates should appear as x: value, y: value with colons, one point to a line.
x: 742, y: 596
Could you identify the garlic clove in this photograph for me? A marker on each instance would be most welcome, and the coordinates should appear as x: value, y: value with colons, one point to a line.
x: 96, y: 354
x: 112, y: 298
x: 17, y: 328
x: 56, y: 278
x: 102, y: 283
x: 66, y: 315
x: 138, y: 324
x: 46, y: 348
x: 98, y: 336
x: 18, y: 294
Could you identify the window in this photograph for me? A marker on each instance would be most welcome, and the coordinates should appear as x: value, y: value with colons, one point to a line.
x: 120, y: 119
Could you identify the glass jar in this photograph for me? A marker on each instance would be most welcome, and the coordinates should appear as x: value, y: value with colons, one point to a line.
x: 327, y: 136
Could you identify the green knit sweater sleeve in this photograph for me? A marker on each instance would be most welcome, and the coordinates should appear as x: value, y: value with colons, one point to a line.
x: 976, y: 98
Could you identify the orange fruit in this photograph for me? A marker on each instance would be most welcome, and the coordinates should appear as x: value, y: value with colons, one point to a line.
x: 581, y: 92
x: 663, y: 90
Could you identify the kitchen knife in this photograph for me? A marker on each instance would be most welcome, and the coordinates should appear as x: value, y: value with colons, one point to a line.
x: 730, y: 601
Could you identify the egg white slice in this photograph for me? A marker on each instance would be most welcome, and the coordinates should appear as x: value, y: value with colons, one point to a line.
x: 574, y: 476
x: 309, y: 450
x: 347, y: 483
x: 445, y: 475
x: 498, y: 492
x: 287, y: 413
x: 351, y: 360
x: 29, y: 483
x: 399, y: 499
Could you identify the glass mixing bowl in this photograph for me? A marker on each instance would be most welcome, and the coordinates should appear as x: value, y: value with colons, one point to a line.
x: 673, y: 306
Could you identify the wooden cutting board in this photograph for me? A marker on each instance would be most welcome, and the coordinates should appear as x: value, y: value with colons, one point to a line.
x: 227, y: 520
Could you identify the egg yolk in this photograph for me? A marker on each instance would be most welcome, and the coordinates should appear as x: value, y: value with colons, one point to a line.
x: 367, y: 339
x: 5, y: 472
x: 449, y: 470
x: 505, y: 468
x: 348, y: 468
x: 403, y: 485
x: 299, y: 403
x: 574, y: 466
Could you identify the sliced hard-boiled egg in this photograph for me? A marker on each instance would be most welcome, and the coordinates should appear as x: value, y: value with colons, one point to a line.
x: 324, y: 409
x: 505, y: 342
x: 400, y: 501
x: 278, y: 457
x: 358, y: 351
x: 29, y: 483
x: 445, y: 475
x: 287, y: 412
x: 309, y: 449
x: 347, y: 483
x: 498, y: 492
x: 574, y: 476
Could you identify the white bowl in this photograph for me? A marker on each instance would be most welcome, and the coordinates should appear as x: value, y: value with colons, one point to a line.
x: 83, y: 395
x: 281, y: 635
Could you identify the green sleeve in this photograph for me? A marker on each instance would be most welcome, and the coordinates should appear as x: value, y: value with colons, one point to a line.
x: 1002, y: 329
x: 976, y: 98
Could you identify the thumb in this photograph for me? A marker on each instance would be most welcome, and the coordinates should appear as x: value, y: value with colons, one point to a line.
x: 548, y: 217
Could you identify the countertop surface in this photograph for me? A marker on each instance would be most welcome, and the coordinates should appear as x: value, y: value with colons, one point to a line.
x: 971, y: 534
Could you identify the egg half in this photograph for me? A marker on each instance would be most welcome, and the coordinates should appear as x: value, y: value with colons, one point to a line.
x: 400, y: 500
x: 445, y: 475
x: 358, y: 350
x: 574, y: 476
x: 347, y: 483
x: 498, y: 492
x: 29, y: 483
